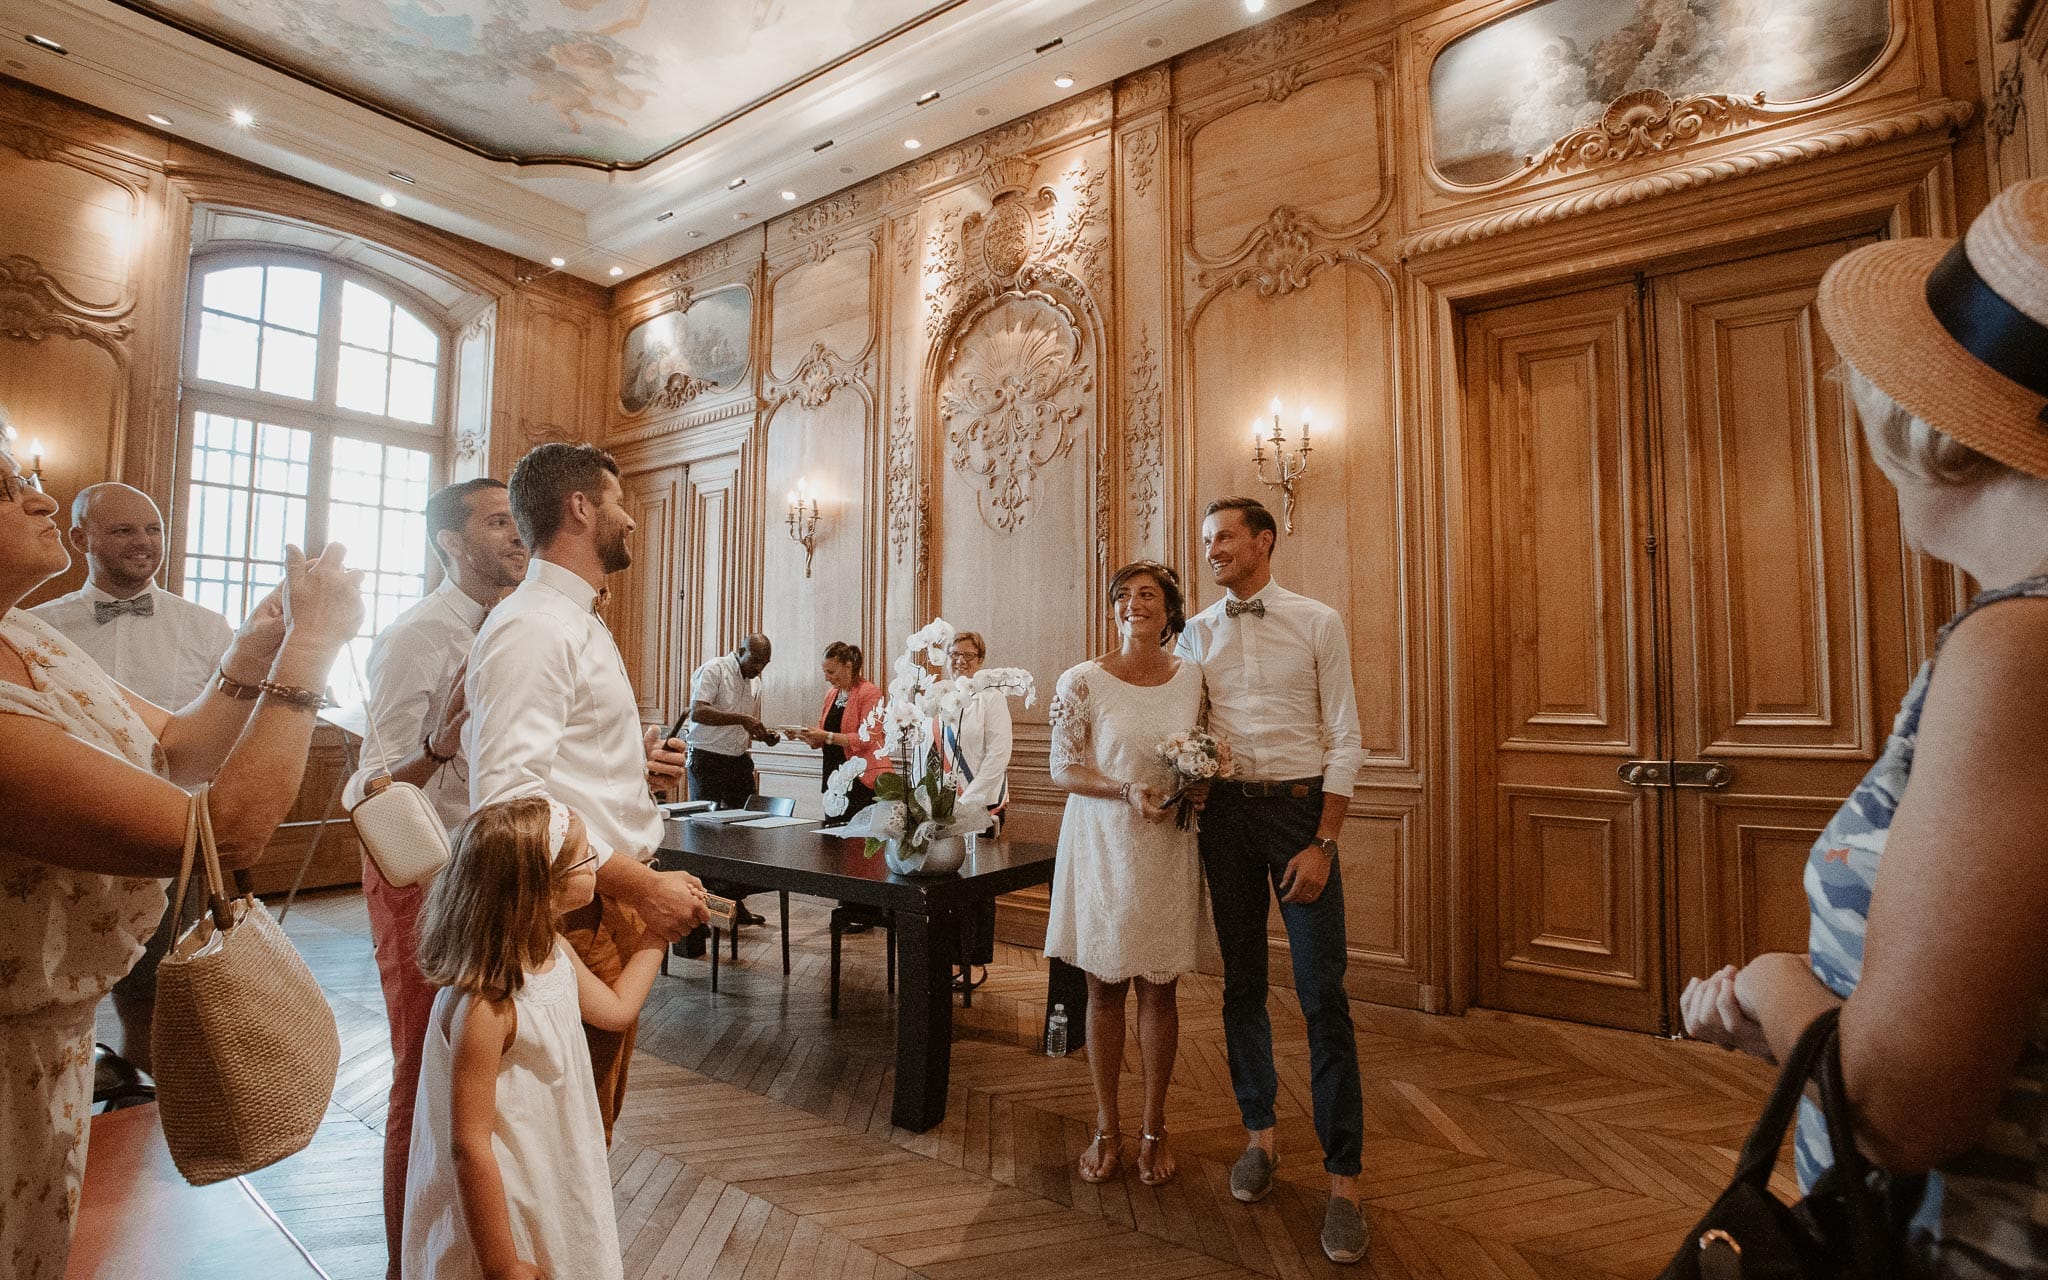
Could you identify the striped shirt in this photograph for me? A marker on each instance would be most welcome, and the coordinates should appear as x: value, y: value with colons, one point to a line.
x: 1985, y: 1213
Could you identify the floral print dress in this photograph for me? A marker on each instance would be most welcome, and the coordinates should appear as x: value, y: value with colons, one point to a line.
x: 65, y: 938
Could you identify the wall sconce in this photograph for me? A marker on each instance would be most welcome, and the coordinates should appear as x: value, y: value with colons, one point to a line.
x: 1292, y: 466
x: 35, y: 464
x: 803, y: 521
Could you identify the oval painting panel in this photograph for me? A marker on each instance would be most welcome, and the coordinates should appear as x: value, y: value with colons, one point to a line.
x: 677, y: 356
x: 1511, y: 88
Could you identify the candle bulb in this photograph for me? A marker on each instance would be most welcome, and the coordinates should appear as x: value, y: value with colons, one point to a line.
x: 1258, y: 442
x: 1304, y: 428
x: 35, y: 454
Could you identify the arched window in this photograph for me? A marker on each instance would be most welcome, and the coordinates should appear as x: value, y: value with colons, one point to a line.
x: 314, y: 409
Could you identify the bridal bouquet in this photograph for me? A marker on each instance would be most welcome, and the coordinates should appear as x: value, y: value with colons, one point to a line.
x: 1195, y: 756
x: 911, y: 811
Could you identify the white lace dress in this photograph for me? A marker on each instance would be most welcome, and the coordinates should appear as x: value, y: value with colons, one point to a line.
x: 1126, y: 893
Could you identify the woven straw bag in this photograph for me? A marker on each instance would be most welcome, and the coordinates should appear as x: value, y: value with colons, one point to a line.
x: 244, y: 1044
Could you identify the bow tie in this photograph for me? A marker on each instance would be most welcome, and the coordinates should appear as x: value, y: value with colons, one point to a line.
x: 1256, y: 608
x: 142, y: 606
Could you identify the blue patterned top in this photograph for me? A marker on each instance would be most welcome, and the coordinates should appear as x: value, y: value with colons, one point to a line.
x: 1986, y: 1212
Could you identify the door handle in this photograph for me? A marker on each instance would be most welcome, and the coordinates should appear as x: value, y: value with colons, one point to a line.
x: 1705, y: 775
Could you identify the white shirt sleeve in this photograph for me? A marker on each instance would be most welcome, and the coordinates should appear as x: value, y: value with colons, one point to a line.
x: 993, y: 762
x: 520, y: 695
x: 1343, y: 751
x: 401, y: 680
x: 705, y: 686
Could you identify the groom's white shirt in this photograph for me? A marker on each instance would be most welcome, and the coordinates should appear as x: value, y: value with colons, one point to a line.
x: 1280, y: 688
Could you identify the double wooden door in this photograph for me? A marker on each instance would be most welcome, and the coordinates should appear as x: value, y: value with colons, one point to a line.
x: 675, y: 607
x: 1690, y: 630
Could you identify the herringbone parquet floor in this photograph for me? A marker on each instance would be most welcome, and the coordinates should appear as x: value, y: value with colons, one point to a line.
x: 756, y: 1142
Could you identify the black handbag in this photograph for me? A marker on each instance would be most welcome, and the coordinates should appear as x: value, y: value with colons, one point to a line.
x: 1850, y: 1226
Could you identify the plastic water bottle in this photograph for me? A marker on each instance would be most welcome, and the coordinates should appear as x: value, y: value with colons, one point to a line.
x: 1056, y: 1032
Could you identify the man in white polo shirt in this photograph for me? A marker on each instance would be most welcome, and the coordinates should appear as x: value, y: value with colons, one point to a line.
x: 161, y: 646
x: 551, y: 713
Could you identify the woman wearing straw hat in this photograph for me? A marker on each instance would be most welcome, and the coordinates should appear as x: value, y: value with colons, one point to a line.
x: 1929, y: 888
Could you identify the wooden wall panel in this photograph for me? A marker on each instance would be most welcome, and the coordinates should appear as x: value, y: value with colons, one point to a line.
x: 827, y: 446
x: 1238, y: 164
x: 642, y: 609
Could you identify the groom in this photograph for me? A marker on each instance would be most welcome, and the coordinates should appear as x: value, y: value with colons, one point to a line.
x: 1279, y: 673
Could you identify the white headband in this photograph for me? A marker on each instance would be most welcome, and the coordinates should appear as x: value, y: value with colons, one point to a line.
x: 558, y: 827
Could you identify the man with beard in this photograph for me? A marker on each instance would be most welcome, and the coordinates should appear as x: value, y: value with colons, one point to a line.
x: 165, y: 648
x: 551, y: 713
x: 416, y: 713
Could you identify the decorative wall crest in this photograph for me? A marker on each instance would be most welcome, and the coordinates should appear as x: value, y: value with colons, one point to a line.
x: 825, y: 215
x: 1025, y: 231
x: 1141, y: 151
x: 1643, y: 123
x: 1015, y: 384
x: 679, y: 389
x: 902, y: 497
x: 1776, y: 155
x: 817, y: 376
x: 1143, y: 436
x: 1284, y: 37
x: 34, y: 306
x: 1288, y: 248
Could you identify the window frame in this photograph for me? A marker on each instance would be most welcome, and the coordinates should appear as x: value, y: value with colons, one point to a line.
x: 319, y: 416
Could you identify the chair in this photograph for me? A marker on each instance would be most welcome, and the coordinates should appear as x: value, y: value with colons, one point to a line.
x: 777, y: 807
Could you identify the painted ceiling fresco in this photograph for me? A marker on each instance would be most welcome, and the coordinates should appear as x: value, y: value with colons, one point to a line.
x: 612, y: 81
x: 1511, y: 88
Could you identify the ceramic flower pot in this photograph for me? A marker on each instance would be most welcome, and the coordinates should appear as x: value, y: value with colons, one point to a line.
x: 943, y: 857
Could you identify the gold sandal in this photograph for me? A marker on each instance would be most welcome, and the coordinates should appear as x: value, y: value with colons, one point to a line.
x: 1110, y: 1165
x: 1147, y: 1173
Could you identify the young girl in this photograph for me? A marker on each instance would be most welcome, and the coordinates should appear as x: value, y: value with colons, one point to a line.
x: 507, y: 1178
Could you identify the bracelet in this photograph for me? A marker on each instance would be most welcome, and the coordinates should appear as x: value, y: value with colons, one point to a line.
x: 232, y: 687
x: 304, y: 699
x: 427, y: 745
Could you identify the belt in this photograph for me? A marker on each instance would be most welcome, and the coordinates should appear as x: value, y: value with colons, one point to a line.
x: 1297, y: 789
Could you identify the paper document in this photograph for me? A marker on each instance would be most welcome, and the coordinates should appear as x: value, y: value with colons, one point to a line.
x: 844, y: 831
x: 773, y: 821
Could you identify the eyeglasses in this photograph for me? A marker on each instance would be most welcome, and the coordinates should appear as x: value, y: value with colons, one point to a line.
x: 579, y: 864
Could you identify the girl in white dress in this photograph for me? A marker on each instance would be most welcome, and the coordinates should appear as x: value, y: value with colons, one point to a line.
x: 1126, y: 890
x: 507, y: 1178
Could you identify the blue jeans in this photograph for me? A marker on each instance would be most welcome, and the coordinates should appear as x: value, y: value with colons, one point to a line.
x: 1246, y: 845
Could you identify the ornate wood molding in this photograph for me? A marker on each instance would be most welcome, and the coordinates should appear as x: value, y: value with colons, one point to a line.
x: 1643, y: 123
x: 1287, y: 36
x: 679, y: 389
x: 824, y: 215
x: 817, y: 376
x: 2002, y: 113
x: 1143, y: 435
x: 1141, y: 152
x: 1013, y: 139
x: 469, y: 443
x: 1010, y: 397
x: 1023, y: 236
x: 1145, y: 89
x: 1947, y: 114
x: 34, y: 306
x: 901, y: 493
x: 1288, y: 248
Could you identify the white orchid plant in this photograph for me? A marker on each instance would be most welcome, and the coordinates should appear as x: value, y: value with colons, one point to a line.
x: 916, y: 811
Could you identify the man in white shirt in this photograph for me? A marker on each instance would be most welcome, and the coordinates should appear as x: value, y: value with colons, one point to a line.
x: 725, y: 716
x: 1278, y: 668
x: 552, y: 713
x: 416, y: 713
x: 163, y: 647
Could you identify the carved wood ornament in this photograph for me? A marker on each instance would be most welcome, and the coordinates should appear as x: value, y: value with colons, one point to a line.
x: 1288, y: 248
x: 34, y: 306
x: 1143, y: 435
x: 902, y: 493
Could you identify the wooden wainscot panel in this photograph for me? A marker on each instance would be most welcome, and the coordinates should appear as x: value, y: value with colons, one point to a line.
x: 1758, y: 889
x: 316, y: 817
x: 1381, y: 871
x: 641, y: 601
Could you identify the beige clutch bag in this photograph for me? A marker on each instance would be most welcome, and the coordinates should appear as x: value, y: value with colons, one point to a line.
x: 400, y: 832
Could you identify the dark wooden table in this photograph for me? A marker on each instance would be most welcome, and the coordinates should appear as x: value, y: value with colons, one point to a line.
x: 928, y: 913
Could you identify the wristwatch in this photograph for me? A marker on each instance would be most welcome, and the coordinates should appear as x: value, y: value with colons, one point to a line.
x: 1329, y: 847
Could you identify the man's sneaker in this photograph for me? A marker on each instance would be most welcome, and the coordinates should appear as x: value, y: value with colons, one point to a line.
x: 1252, y: 1176
x: 1344, y: 1232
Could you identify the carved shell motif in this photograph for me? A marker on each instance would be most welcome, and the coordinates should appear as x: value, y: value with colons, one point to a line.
x: 1009, y: 397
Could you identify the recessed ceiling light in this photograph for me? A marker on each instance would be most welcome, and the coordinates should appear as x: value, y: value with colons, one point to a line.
x: 911, y: 144
x: 1063, y: 80
x: 742, y: 216
x: 558, y: 262
x: 1153, y: 42
x: 618, y: 271
x: 735, y: 184
x: 388, y: 200
x: 928, y: 96
x: 44, y: 42
x: 981, y: 111
x: 1254, y: 6
x: 156, y: 119
x: 406, y: 178
x: 789, y: 195
x: 241, y: 118
x: 695, y: 234
x: 846, y: 168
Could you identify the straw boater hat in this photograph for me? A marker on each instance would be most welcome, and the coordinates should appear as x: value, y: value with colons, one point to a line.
x: 1957, y: 334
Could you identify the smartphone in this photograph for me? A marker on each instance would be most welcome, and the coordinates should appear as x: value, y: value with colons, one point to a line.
x: 676, y: 730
